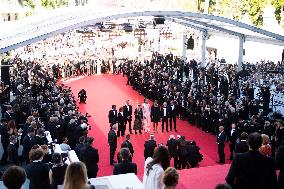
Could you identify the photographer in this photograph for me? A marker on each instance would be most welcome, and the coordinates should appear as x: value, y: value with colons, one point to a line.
x: 82, y: 95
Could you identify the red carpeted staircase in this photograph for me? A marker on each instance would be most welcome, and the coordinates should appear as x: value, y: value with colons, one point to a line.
x: 105, y: 90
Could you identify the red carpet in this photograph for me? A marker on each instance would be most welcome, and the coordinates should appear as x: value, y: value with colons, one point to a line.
x: 203, y: 177
x: 105, y: 90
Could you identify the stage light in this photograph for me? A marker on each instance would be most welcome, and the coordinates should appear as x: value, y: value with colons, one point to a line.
x: 138, y: 33
x: 159, y: 20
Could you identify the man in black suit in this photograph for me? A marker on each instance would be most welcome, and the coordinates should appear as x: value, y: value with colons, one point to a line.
x: 149, y: 147
x: 172, y: 145
x: 125, y: 166
x: 165, y: 116
x: 129, y: 145
x: 13, y: 157
x: 27, y: 145
x: 90, y: 157
x: 173, y: 114
x: 112, y: 141
x: 221, y: 138
x: 252, y: 169
x: 39, y: 138
x: 37, y: 171
x: 8, y: 115
x: 112, y: 115
x: 79, y: 147
x: 121, y: 120
x: 233, y: 136
x: 127, y: 111
x: 242, y: 145
x: 4, y: 139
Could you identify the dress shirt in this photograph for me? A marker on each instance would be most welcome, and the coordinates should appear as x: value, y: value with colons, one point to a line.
x: 232, y: 131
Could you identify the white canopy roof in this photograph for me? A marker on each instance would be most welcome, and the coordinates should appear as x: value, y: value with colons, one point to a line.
x: 31, y: 29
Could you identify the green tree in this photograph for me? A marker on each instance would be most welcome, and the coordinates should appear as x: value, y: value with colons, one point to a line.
x: 29, y: 3
x: 255, y: 9
x: 52, y: 4
x: 278, y: 5
x: 231, y: 8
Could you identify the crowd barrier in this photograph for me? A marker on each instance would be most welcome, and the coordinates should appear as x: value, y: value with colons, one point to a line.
x: 123, y: 181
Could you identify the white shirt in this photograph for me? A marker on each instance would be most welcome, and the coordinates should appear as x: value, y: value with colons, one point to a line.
x: 232, y: 131
x: 165, y: 111
x: 154, y: 179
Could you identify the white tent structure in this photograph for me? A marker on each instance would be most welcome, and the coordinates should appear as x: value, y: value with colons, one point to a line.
x: 53, y: 22
x: 11, y: 7
x: 259, y: 51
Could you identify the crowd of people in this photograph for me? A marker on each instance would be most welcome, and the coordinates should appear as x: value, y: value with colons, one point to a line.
x: 43, y: 113
x: 218, y: 99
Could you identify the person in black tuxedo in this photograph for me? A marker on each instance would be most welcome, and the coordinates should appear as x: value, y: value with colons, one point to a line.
x: 4, y: 139
x: 8, y: 115
x: 221, y: 139
x: 39, y: 139
x: 165, y: 116
x: 112, y: 115
x: 37, y: 171
x: 172, y: 145
x: 173, y: 114
x: 90, y: 157
x: 233, y: 136
x: 242, y: 145
x: 79, y: 147
x: 112, y: 141
x: 125, y: 166
x: 121, y: 119
x: 27, y: 145
x: 13, y: 157
x: 127, y: 111
x: 252, y: 169
x: 149, y: 147
x: 129, y: 145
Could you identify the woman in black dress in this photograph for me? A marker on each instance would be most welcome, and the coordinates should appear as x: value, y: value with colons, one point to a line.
x: 138, y: 113
x: 155, y: 115
x: 57, y: 172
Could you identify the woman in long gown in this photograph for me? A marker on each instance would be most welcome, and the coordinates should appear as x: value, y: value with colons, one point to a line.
x: 138, y: 115
x: 146, y: 107
x: 155, y: 115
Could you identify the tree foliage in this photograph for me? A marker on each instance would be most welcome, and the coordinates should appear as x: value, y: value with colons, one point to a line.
x: 52, y: 4
x: 29, y: 3
x: 255, y: 9
x: 231, y: 8
x: 278, y: 5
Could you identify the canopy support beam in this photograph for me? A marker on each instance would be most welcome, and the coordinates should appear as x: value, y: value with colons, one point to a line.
x: 203, y: 48
x: 241, y: 52
x: 184, y: 37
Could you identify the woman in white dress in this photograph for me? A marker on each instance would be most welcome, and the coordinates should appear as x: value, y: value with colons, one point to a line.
x: 154, y: 168
x: 146, y: 108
